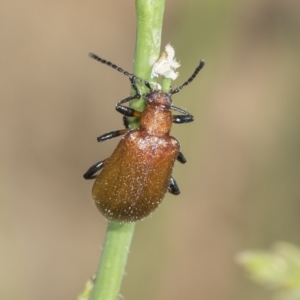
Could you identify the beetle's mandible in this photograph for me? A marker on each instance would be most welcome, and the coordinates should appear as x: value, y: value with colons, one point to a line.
x: 135, y: 178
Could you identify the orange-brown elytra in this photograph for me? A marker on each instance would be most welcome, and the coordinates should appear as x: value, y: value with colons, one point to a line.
x: 136, y: 177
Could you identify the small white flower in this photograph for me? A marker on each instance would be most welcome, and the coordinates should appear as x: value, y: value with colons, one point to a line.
x: 166, y: 64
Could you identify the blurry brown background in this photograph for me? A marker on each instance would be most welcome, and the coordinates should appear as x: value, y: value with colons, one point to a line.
x: 239, y: 189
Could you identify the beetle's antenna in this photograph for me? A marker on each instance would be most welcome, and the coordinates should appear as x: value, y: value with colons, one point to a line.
x: 131, y: 76
x: 178, y: 89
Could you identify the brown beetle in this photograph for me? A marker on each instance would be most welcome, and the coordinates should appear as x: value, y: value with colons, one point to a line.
x: 135, y: 178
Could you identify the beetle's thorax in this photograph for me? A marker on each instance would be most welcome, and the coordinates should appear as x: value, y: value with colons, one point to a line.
x: 156, y: 119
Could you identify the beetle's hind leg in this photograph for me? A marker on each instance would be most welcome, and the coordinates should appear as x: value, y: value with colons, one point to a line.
x: 173, y: 187
x: 90, y: 173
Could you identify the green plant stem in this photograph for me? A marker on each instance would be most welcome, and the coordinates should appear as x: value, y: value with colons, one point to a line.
x: 148, y: 40
x: 166, y: 84
x: 118, y: 236
x: 113, y: 261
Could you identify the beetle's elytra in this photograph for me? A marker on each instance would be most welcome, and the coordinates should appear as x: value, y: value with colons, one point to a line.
x: 134, y: 179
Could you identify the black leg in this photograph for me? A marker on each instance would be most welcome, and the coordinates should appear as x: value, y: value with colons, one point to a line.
x: 180, y: 157
x: 125, y: 122
x: 137, y: 94
x: 173, y: 187
x: 134, y: 86
x: 111, y: 135
x: 127, y: 99
x: 181, y: 110
x: 90, y: 173
x: 180, y: 119
x: 128, y: 111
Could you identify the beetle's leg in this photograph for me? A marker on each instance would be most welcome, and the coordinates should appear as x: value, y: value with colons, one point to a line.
x: 180, y: 119
x: 128, y: 111
x: 180, y: 157
x: 181, y: 110
x: 111, y: 135
x: 137, y: 94
x: 173, y: 187
x: 125, y: 122
x: 90, y: 173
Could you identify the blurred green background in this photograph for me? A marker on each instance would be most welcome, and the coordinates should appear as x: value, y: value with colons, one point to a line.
x: 239, y: 190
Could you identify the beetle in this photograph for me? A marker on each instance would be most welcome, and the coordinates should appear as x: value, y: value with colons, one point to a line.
x: 135, y: 178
